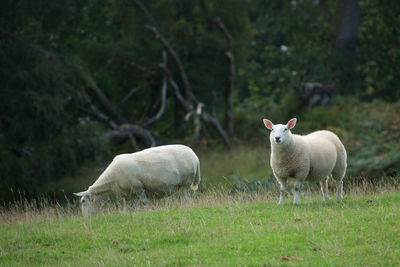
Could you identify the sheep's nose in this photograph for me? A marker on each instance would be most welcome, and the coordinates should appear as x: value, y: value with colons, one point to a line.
x: 277, y: 139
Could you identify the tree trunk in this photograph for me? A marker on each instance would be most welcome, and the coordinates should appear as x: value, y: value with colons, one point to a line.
x: 347, y: 34
x: 230, y: 78
x: 349, y: 25
x: 344, y: 25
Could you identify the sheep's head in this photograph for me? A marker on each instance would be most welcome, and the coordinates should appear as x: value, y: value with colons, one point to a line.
x: 280, y: 133
x: 87, y: 203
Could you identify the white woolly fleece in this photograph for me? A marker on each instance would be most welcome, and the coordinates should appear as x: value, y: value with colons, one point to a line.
x: 158, y: 170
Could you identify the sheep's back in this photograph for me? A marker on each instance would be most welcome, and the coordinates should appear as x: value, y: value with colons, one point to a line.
x: 161, y: 168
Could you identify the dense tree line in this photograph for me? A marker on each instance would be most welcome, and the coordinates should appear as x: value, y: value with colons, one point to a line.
x: 77, y: 76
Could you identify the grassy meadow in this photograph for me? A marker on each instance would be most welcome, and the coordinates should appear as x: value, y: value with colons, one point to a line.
x: 210, y: 229
x: 213, y: 227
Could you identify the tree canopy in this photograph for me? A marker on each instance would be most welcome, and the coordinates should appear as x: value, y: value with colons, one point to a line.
x: 76, y: 75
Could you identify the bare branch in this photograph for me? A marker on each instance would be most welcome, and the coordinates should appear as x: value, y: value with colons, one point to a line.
x: 215, y: 122
x: 188, y: 98
x: 105, y: 103
x: 97, y: 114
x: 187, y: 106
x: 131, y: 92
x: 197, y: 122
x: 121, y: 129
x: 145, y: 11
x: 141, y: 68
x: 132, y: 64
x: 227, y: 35
x: 162, y: 107
x: 175, y: 57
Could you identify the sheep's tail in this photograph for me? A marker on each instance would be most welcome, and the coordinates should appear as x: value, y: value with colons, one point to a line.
x: 196, y: 181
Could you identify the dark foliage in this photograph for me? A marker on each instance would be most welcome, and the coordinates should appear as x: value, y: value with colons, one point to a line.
x: 74, y: 72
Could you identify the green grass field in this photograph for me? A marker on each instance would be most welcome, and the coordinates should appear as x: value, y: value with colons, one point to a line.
x: 211, y: 229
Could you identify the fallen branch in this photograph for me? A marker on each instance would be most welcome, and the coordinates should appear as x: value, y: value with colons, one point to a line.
x: 121, y: 131
x: 124, y: 131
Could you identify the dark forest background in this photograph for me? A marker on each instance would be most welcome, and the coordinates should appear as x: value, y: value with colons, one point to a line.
x: 83, y: 79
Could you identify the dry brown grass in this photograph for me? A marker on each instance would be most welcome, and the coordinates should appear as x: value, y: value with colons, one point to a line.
x: 44, y: 209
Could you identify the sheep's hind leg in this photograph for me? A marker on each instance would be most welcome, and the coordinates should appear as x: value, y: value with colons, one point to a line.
x: 184, y: 197
x: 282, y: 195
x: 324, y: 188
x: 297, y: 185
x: 339, y: 194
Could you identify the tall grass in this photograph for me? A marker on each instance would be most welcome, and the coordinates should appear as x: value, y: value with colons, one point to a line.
x: 45, y: 209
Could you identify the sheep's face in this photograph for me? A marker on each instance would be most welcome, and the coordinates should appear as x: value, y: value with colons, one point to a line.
x: 280, y: 133
x: 87, y: 203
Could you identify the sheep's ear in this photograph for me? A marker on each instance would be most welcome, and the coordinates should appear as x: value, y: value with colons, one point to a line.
x: 79, y: 194
x: 268, y: 124
x: 84, y: 193
x: 291, y: 123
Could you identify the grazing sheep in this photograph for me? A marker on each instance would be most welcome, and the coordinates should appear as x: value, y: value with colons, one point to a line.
x: 312, y: 158
x: 158, y: 170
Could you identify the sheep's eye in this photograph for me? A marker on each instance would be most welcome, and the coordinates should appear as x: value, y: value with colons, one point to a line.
x: 285, y: 129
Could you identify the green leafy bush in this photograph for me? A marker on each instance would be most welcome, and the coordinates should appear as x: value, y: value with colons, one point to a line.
x: 370, y: 132
x: 253, y: 184
x: 43, y: 135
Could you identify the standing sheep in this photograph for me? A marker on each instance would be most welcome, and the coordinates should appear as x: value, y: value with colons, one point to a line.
x: 157, y: 170
x: 311, y: 158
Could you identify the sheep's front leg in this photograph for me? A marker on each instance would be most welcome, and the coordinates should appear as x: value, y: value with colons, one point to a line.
x: 297, y: 185
x: 144, y: 199
x: 282, y: 195
x: 185, y: 193
x: 124, y: 206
